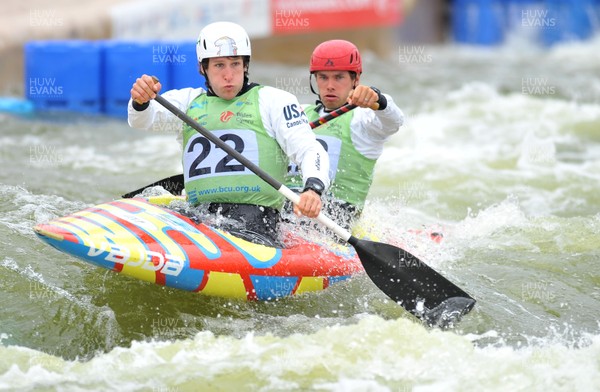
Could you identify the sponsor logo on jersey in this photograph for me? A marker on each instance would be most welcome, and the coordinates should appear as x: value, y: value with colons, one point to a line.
x: 226, y: 116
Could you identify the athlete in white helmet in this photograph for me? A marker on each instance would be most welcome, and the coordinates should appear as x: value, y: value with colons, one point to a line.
x: 354, y: 140
x: 266, y: 125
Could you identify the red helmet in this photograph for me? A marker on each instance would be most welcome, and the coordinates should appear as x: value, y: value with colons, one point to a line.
x: 336, y: 55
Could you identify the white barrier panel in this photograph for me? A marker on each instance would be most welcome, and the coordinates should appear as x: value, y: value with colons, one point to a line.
x: 183, y: 19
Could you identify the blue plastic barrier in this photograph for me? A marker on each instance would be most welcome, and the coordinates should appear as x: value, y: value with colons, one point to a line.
x: 572, y: 20
x: 478, y: 22
x: 518, y: 11
x: 184, y: 65
x: 96, y: 76
x: 488, y: 22
x: 64, y: 75
x: 123, y: 63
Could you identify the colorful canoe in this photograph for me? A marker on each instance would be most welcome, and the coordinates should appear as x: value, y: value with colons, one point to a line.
x: 142, y: 238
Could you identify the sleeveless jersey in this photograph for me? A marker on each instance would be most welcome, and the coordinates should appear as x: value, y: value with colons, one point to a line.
x: 351, y: 173
x: 212, y: 175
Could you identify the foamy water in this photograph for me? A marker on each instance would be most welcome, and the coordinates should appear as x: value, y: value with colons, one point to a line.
x: 500, y: 152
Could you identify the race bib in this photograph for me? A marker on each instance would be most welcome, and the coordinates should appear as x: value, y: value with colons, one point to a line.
x: 332, y: 146
x: 203, y: 159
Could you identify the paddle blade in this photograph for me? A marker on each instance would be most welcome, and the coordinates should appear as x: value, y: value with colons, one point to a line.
x: 415, y: 286
x: 173, y: 184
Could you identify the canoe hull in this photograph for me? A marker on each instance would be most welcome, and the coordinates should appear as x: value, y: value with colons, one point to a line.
x: 143, y: 240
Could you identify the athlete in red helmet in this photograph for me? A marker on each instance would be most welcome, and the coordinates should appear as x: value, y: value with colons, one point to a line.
x: 354, y: 141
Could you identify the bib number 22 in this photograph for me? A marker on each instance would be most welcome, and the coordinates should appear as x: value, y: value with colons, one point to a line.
x: 203, y: 158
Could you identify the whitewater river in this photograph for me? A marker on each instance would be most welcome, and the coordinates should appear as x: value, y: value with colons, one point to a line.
x: 500, y: 151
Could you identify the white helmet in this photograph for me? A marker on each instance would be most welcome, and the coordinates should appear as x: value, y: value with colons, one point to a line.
x: 222, y: 39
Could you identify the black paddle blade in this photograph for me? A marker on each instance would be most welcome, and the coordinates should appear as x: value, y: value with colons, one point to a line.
x: 173, y: 184
x: 415, y: 286
x: 448, y: 312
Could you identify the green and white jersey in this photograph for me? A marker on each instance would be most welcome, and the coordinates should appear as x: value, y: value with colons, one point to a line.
x: 354, y: 141
x: 211, y: 175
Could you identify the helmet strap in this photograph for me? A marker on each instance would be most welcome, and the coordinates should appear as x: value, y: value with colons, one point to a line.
x: 312, y: 89
x: 246, y: 60
x: 318, y: 102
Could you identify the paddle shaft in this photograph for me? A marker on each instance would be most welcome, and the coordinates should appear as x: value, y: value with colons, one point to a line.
x: 285, y: 191
x: 336, y: 113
